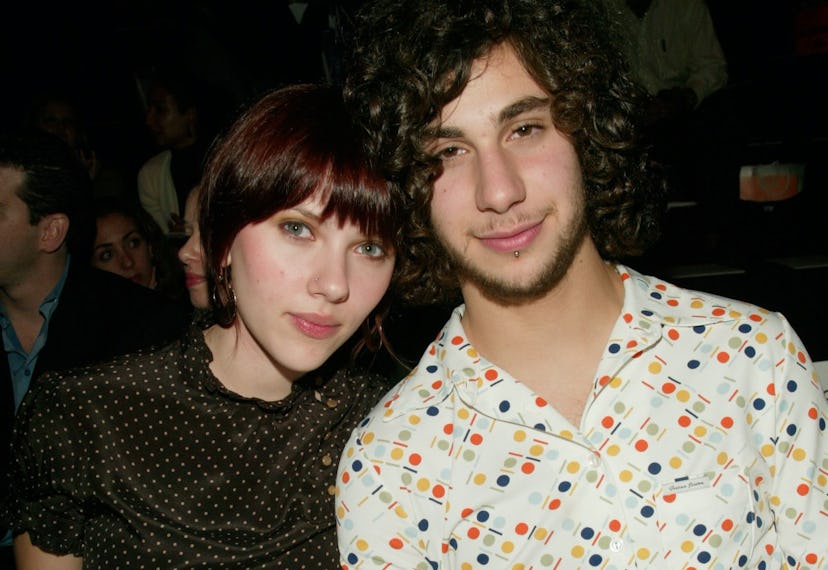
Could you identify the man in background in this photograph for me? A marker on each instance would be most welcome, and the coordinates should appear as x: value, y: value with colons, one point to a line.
x: 55, y: 311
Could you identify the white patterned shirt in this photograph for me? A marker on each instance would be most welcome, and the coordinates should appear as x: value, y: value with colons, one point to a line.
x: 702, y: 445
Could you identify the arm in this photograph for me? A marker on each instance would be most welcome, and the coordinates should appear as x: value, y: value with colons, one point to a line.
x: 708, y: 67
x: 800, y: 456
x: 152, y: 179
x: 30, y: 557
x: 375, y: 513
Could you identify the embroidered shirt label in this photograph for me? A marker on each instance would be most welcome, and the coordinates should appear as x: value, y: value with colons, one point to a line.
x: 686, y: 484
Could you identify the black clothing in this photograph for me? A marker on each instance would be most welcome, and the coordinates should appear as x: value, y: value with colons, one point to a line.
x: 148, y: 461
x: 99, y: 315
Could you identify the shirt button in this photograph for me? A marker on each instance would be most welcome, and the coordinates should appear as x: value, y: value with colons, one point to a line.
x: 594, y: 460
x: 332, y: 490
x: 616, y: 544
x: 326, y: 460
x: 332, y: 403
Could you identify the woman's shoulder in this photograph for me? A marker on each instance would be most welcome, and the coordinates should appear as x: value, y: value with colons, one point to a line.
x: 104, y: 379
x: 362, y: 388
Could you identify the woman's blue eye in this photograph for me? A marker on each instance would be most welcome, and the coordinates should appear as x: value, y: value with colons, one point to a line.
x: 296, y: 228
x: 372, y: 249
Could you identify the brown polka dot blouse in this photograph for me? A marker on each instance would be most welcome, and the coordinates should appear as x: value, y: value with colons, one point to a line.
x: 149, y: 462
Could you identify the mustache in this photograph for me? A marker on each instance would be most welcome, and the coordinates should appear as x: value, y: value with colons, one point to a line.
x: 497, y: 223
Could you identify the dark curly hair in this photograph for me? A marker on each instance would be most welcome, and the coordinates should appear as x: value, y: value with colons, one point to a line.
x: 410, y: 58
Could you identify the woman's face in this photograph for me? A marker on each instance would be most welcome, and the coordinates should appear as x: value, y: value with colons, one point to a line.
x: 122, y: 249
x: 303, y: 286
x: 192, y: 257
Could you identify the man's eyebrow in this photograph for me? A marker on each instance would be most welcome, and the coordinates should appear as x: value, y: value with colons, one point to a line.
x: 522, y: 106
x: 517, y: 108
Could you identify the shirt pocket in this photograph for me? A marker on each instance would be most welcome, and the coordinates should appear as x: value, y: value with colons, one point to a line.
x: 707, y: 516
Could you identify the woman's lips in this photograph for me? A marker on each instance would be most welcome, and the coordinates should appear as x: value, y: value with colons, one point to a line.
x: 315, y: 326
x: 192, y: 280
x: 512, y: 240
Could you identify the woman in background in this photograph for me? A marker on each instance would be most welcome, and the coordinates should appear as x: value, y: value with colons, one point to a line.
x: 129, y: 243
x: 220, y: 450
x: 192, y: 256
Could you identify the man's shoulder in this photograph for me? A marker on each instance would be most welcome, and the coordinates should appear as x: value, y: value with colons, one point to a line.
x: 100, y: 315
x: 112, y: 296
x: 430, y: 383
x: 156, y: 162
x: 671, y: 304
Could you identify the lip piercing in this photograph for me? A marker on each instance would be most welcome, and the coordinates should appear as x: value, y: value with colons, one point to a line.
x: 517, y: 253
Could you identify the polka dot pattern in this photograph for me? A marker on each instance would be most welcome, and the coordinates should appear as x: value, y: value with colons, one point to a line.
x: 149, y: 462
x: 702, y: 446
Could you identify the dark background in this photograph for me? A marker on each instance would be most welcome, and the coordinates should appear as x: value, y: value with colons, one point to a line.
x: 102, y: 51
x: 777, y: 52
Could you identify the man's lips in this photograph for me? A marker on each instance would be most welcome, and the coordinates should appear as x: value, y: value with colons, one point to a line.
x: 513, y: 239
x: 314, y: 325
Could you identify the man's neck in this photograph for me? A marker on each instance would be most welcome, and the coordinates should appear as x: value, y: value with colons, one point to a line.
x: 22, y: 295
x: 555, y: 342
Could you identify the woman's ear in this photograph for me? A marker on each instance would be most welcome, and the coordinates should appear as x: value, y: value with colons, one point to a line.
x: 53, y: 229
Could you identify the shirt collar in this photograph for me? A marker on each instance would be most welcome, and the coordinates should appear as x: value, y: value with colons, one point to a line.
x: 50, y: 301
x: 651, y: 308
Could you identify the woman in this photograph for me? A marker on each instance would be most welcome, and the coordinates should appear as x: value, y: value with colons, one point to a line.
x: 220, y: 450
x: 191, y: 256
x: 129, y: 243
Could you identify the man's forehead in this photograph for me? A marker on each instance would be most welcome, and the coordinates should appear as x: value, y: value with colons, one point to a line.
x: 527, y: 92
x: 11, y: 178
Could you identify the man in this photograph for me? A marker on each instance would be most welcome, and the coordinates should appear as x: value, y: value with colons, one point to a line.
x: 672, y: 49
x: 675, y: 56
x: 55, y: 311
x: 572, y: 413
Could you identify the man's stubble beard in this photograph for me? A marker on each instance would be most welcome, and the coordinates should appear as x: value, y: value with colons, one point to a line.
x: 553, y: 270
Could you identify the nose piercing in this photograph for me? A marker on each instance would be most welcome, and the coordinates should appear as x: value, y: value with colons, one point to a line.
x: 517, y: 253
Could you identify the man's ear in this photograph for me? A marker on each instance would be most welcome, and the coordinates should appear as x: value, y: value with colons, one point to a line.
x: 53, y: 231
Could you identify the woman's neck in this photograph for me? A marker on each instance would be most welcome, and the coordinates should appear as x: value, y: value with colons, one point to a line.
x: 243, y: 367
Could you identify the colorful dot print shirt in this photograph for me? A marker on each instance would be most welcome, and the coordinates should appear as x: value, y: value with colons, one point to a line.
x: 703, y: 445
x: 148, y: 461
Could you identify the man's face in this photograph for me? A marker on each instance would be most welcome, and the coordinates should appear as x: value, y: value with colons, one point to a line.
x: 18, y: 236
x: 169, y: 125
x: 511, y: 182
x: 59, y: 119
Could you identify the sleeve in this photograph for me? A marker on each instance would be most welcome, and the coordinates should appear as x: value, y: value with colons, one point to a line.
x: 49, y: 471
x: 149, y: 192
x: 796, y: 447
x: 375, y: 508
x: 708, y: 66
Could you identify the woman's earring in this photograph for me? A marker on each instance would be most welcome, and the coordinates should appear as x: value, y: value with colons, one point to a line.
x: 224, y: 298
